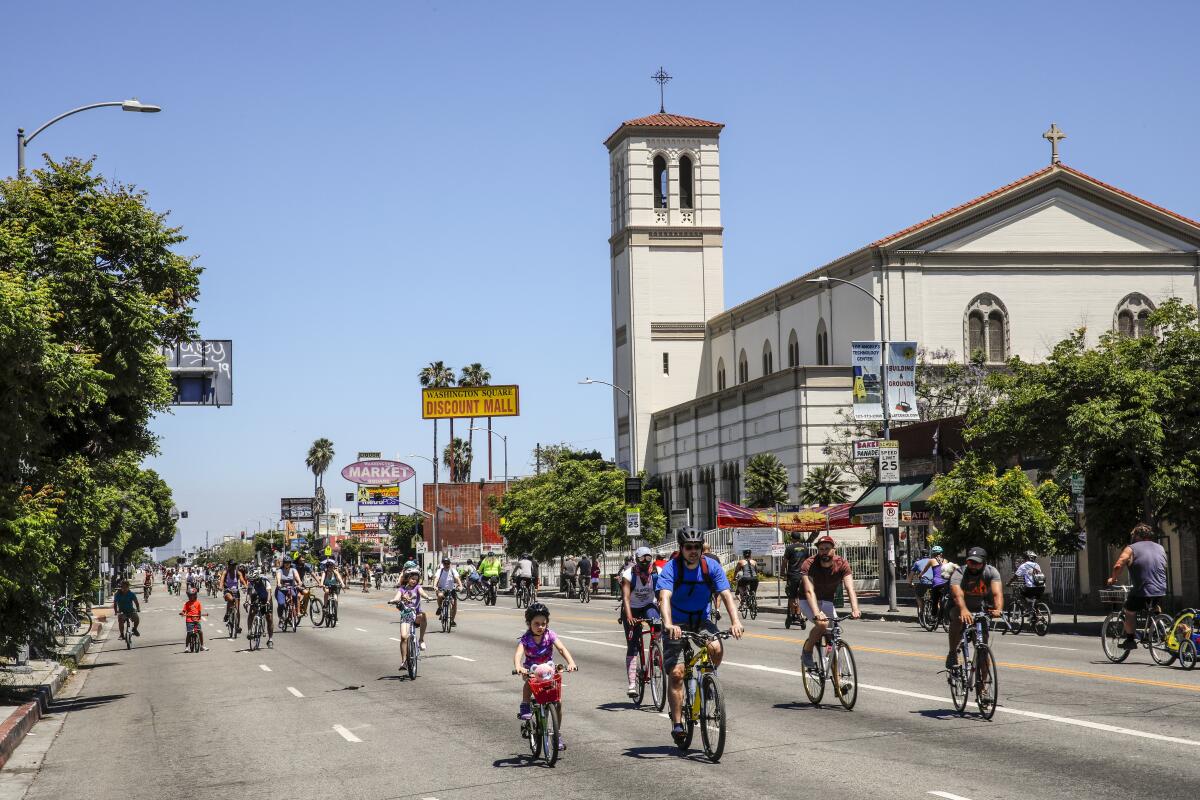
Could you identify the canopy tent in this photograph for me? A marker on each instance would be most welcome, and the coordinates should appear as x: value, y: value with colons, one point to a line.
x: 788, y: 518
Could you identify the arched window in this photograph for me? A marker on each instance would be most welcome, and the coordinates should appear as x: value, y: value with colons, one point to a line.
x: 720, y: 374
x: 768, y: 359
x: 743, y: 368
x: 793, y: 350
x: 822, y: 343
x: 660, y: 182
x: 1133, y: 314
x: 985, y: 329
x: 685, y: 182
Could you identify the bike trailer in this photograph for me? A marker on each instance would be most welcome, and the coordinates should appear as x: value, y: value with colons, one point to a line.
x: 1183, y: 627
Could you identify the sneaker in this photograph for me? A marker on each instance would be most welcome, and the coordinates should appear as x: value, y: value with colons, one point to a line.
x: 809, y: 663
x: 1129, y: 643
x: 561, y: 744
x: 632, y: 690
x: 136, y: 633
x: 453, y: 624
x: 422, y: 645
x: 524, y: 713
x: 952, y: 660
x: 204, y: 649
x: 677, y: 733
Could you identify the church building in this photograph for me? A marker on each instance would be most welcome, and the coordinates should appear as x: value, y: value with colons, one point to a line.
x: 1010, y: 272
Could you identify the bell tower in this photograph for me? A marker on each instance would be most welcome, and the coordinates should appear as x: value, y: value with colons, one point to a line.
x: 666, y: 267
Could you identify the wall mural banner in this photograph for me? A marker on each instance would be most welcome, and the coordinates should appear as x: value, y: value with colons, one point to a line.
x: 865, y: 360
x: 902, y: 381
x: 808, y: 518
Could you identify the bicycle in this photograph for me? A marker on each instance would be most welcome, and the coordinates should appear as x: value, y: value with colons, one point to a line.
x: 232, y: 619
x: 541, y: 730
x: 704, y: 701
x: 650, y: 664
x: 448, y: 597
x: 256, y: 624
x: 833, y: 663
x: 1027, y: 608
x: 748, y: 603
x: 976, y: 670
x: 146, y: 593
x: 289, y: 614
x: 192, y: 642
x: 489, y: 592
x: 123, y: 619
x: 1150, y: 629
x: 585, y: 592
x: 524, y: 596
x: 412, y: 661
x: 331, y: 609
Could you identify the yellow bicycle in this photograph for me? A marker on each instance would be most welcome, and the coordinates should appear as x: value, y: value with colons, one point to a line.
x: 704, y: 702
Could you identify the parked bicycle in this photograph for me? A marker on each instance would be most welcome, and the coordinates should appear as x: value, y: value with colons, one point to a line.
x: 541, y: 730
x: 1150, y: 629
x: 975, y: 670
x: 704, y: 701
x: 651, y: 670
x: 833, y: 662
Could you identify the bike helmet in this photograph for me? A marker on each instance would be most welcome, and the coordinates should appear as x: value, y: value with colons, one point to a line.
x: 689, y: 537
x: 797, y: 536
x: 936, y: 551
x: 746, y: 553
x: 536, y: 610
x: 1030, y: 555
x: 255, y: 573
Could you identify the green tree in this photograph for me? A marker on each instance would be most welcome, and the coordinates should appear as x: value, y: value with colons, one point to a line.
x: 437, y: 376
x: 561, y: 510
x: 350, y: 549
x: 1003, y: 513
x: 320, y: 456
x: 766, y: 481
x: 1125, y: 413
x: 268, y: 542
x: 404, y: 529
x: 457, y: 458
x: 823, y: 485
x: 474, y: 375
x: 241, y: 551
x: 946, y: 387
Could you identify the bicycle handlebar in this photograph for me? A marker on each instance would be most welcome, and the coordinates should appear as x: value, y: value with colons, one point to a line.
x: 705, y: 638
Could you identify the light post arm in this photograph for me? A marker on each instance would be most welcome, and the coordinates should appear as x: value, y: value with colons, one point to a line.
x: 23, y: 140
x: 633, y: 471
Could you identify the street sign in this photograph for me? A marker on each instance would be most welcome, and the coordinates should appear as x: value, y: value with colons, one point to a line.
x: 681, y: 519
x: 295, y: 508
x: 867, y: 448
x: 422, y: 547
x: 891, y: 514
x: 604, y: 530
x: 1077, y: 483
x: 1079, y: 504
x: 633, y: 523
x: 889, y: 462
x: 777, y: 549
x: 756, y: 540
x: 364, y: 455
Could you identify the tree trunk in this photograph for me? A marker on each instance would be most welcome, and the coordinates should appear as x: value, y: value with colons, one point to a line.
x: 452, y: 450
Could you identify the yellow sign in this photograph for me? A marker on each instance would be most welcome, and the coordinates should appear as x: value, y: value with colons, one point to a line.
x: 328, y: 551
x: 379, y: 495
x: 474, y: 401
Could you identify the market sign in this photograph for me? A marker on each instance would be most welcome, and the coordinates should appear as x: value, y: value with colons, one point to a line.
x: 470, y: 401
x: 379, y: 495
x: 377, y: 472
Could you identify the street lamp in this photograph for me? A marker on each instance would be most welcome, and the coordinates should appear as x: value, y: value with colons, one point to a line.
x: 437, y: 506
x: 889, y: 547
x: 632, y: 423
x: 504, y: 439
x: 126, y: 105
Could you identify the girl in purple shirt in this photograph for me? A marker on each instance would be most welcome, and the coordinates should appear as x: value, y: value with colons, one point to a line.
x: 408, y: 599
x: 535, y: 653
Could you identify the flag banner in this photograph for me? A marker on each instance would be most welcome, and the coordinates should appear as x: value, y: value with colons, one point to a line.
x: 902, y: 381
x: 865, y: 360
x: 807, y: 518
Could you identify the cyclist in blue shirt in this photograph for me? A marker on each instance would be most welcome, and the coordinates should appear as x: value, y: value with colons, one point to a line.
x: 686, y: 585
x: 920, y: 580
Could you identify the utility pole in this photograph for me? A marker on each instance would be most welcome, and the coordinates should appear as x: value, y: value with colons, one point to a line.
x: 538, y: 457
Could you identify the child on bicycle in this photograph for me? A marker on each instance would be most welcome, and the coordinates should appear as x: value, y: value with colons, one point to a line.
x: 535, y: 654
x: 408, y: 599
x: 191, y: 613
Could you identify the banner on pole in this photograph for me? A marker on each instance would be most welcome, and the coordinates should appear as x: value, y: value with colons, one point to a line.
x: 901, y: 386
x: 865, y: 360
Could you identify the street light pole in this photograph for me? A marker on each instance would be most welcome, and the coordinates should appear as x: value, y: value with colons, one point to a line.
x: 889, y: 573
x: 437, y: 506
x: 126, y: 105
x: 633, y: 466
x: 504, y: 439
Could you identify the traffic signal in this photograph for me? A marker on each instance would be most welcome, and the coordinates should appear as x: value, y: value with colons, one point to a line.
x: 633, y: 491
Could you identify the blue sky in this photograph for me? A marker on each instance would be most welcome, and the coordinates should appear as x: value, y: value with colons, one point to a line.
x: 372, y: 186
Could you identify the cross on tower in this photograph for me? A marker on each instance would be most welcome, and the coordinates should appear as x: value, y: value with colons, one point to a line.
x: 663, y: 78
x: 1054, y: 136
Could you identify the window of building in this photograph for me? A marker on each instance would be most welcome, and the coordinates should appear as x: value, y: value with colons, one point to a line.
x: 685, y: 182
x: 986, y: 329
x: 720, y: 374
x: 1133, y: 314
x: 822, y: 343
x: 666, y: 363
x: 743, y: 368
x: 768, y: 361
x: 793, y: 350
x: 660, y: 182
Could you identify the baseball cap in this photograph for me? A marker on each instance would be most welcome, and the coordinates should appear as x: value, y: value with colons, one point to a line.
x: 977, y: 554
x: 826, y: 540
x: 643, y: 551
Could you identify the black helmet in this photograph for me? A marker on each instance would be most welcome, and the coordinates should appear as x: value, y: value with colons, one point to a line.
x: 690, y: 536
x: 797, y: 536
x: 746, y: 552
x: 536, y: 610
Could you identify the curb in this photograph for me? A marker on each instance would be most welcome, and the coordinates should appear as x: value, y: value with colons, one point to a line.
x: 26, y: 715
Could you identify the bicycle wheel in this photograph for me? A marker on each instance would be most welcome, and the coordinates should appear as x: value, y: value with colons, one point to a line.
x: 1187, y: 655
x: 1157, y: 629
x: 316, y: 612
x: 787, y: 620
x: 814, y: 680
x: 83, y: 617
x: 1041, y: 625
x: 231, y: 624
x: 445, y: 615
x: 712, y: 717
x: 414, y: 656
x: 845, y: 675
x: 1112, y: 632
x: 254, y: 635
x: 533, y: 733
x: 128, y: 634
x: 643, y: 677
x: 753, y: 607
x: 987, y: 682
x: 461, y: 594
x: 959, y: 690
x: 331, y: 616
x: 1016, y: 619
x: 550, y: 735
x: 657, y: 677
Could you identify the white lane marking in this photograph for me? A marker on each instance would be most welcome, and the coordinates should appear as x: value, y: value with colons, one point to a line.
x: 461, y: 658
x: 618, y: 630
x: 393, y: 638
x: 294, y: 691
x: 264, y: 667
x: 345, y: 734
x: 948, y: 796
x: 1042, y: 646
x: 889, y: 633
x: 664, y: 715
x: 602, y: 644
x: 361, y: 630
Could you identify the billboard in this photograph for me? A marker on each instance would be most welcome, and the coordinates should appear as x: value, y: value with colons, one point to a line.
x: 379, y: 495
x: 295, y: 508
x: 377, y: 472
x: 202, y: 372
x: 866, y: 359
x: 470, y: 401
x: 365, y: 525
x: 902, y: 381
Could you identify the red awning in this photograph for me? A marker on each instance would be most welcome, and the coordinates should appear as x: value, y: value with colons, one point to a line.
x: 807, y: 518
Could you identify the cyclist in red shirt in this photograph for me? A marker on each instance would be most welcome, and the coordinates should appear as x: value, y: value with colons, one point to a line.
x: 191, y: 615
x: 820, y: 576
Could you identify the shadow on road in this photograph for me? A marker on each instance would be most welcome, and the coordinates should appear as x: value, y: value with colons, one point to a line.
x: 519, y: 762
x: 83, y: 703
x: 804, y: 705
x: 664, y: 751
x: 617, y: 706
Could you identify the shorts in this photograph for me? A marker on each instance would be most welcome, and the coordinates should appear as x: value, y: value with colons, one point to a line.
x: 632, y: 637
x: 128, y: 613
x: 795, y: 588
x: 1137, y: 603
x: 232, y: 594
x: 673, y: 648
x: 1032, y: 591
x: 825, y: 605
x: 750, y: 582
x: 922, y: 590
x: 333, y: 587
x: 193, y: 626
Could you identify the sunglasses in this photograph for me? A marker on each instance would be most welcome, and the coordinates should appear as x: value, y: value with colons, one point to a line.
x: 692, y: 546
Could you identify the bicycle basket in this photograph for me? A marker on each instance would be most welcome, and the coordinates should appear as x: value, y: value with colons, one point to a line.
x: 546, y: 691
x: 1114, y: 594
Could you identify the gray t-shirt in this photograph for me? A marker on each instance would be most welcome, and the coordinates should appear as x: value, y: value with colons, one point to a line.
x: 1148, y: 569
x: 976, y: 587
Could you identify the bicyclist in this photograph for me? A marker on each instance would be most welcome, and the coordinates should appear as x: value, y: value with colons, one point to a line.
x: 447, y: 583
x: 920, y: 581
x: 585, y: 571
x: 975, y: 586
x: 525, y: 573
x: 489, y: 569
x: 408, y: 599
x: 126, y: 607
x: 1031, y: 576
x: 821, y: 575
x: 535, y: 651
x: 637, y: 603
x: 1147, y: 562
x: 935, y: 570
x: 232, y: 582
x: 687, y: 584
x: 287, y: 585
x: 191, y: 613
x: 258, y: 591
x: 793, y: 557
x: 746, y: 573
x: 147, y: 584
x: 332, y: 581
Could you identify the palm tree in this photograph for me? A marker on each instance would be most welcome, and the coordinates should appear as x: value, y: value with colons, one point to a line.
x: 475, y: 375
x: 457, y: 458
x: 437, y: 376
x: 766, y: 481
x: 319, y: 457
x: 823, y: 486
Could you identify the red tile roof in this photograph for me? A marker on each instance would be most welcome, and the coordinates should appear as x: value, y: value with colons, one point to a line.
x: 665, y: 121
x: 1031, y: 177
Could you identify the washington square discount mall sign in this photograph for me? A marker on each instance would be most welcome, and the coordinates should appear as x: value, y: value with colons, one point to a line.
x: 474, y: 401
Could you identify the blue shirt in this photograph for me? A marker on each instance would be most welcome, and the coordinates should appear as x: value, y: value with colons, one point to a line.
x: 927, y: 578
x: 690, y: 598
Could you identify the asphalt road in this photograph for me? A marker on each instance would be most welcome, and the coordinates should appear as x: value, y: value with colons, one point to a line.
x: 325, y: 713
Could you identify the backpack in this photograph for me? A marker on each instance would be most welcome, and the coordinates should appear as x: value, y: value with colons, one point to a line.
x: 706, y: 580
x: 1038, y: 579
